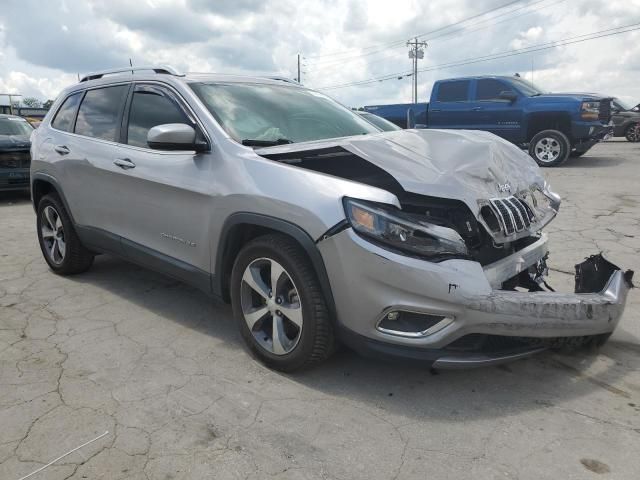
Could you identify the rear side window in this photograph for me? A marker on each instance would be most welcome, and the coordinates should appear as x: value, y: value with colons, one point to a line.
x: 489, y: 89
x: 148, y: 109
x: 457, y: 91
x: 99, y: 114
x: 64, y: 118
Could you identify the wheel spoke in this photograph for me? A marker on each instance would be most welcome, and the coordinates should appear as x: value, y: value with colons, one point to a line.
x: 278, y: 336
x: 293, y: 312
x: 276, y: 273
x: 58, y: 224
x: 253, y: 316
x: 50, y: 217
x: 62, y: 247
x: 252, y: 278
x: 46, y: 232
x: 52, y: 251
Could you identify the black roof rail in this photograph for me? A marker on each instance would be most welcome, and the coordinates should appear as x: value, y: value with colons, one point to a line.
x: 160, y: 69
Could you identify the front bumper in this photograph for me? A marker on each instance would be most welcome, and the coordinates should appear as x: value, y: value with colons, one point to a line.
x: 14, y: 178
x: 368, y: 281
x: 586, y: 134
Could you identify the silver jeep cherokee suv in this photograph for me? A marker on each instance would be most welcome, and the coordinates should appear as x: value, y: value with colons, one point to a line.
x: 315, y: 225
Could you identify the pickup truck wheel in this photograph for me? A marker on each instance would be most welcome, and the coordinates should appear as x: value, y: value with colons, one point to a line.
x: 58, y: 240
x: 632, y: 133
x: 549, y: 148
x: 279, y: 306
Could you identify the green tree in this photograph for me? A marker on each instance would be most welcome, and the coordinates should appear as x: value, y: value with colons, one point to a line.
x: 31, y: 102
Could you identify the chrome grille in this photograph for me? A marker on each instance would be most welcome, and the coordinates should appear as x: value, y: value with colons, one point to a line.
x: 514, y: 214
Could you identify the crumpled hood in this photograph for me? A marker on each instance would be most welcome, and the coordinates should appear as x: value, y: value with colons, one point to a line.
x: 466, y: 165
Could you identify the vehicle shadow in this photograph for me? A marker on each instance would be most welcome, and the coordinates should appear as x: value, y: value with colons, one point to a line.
x: 595, y: 161
x: 402, y: 388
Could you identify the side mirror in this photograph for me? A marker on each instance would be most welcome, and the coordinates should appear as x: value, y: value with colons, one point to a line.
x: 615, y: 110
x: 509, y: 95
x: 173, y: 136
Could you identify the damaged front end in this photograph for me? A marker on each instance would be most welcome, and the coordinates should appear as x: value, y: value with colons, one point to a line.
x: 457, y: 274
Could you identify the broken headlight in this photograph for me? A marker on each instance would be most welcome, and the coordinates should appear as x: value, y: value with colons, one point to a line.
x: 402, y: 232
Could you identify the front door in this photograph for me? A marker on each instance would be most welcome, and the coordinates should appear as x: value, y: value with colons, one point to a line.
x: 494, y: 114
x: 168, y: 203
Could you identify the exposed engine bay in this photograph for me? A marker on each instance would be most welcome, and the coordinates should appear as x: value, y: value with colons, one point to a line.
x: 484, y: 237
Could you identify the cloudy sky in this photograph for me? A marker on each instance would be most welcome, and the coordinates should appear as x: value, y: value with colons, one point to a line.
x: 44, y: 44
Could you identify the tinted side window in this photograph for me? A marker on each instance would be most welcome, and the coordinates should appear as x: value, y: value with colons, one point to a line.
x: 489, y: 89
x: 64, y: 118
x: 98, y: 115
x: 457, y: 91
x: 148, y: 109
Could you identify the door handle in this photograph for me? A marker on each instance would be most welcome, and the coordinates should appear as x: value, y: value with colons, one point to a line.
x: 435, y: 110
x: 124, y: 163
x: 476, y: 109
x: 62, y: 149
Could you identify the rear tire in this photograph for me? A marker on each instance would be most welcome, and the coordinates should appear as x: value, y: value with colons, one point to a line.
x: 292, y: 305
x: 632, y: 134
x: 59, y: 242
x: 549, y: 148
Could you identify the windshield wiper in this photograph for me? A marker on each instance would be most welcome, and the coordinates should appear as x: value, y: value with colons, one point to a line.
x: 265, y: 143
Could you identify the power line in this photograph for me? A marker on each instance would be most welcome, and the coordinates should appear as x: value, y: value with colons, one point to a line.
x: 386, y: 46
x: 461, y: 32
x: 496, y: 56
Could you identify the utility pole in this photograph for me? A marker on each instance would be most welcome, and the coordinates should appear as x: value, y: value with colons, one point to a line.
x: 11, y: 95
x: 415, y: 53
x: 298, y: 79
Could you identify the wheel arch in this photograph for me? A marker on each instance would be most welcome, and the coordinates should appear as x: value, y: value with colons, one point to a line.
x: 539, y: 121
x: 240, y: 228
x: 43, y: 184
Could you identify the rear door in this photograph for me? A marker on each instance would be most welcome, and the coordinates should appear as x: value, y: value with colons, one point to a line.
x: 168, y: 210
x: 450, y: 106
x: 88, y: 175
x: 493, y: 114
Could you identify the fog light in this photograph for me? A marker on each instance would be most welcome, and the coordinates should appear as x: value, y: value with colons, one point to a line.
x: 411, y: 324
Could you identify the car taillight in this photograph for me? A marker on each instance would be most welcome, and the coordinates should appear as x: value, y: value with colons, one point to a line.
x: 590, y: 110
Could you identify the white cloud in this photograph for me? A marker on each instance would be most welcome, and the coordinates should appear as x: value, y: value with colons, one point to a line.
x: 44, y: 45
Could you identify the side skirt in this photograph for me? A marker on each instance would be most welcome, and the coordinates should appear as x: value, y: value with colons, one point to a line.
x: 105, y: 242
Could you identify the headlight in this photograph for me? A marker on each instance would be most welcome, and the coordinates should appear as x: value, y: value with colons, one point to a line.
x: 401, y: 232
x: 590, y: 110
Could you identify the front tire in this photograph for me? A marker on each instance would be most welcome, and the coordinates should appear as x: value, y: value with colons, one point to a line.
x: 279, y: 306
x: 632, y: 134
x: 58, y: 240
x: 549, y: 148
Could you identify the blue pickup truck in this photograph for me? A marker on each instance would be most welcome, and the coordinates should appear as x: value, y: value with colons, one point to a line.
x: 552, y: 126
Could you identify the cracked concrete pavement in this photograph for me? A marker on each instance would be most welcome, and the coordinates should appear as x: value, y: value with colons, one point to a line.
x: 163, y: 370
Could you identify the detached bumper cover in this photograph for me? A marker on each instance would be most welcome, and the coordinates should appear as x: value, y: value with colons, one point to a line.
x: 587, y: 136
x: 367, y: 281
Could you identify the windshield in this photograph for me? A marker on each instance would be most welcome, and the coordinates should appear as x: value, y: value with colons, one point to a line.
x: 15, y: 126
x: 254, y: 113
x: 381, y: 123
x: 620, y: 105
x: 526, y: 87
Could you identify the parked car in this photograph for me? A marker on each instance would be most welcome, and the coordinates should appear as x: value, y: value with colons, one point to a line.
x: 15, y: 158
x: 381, y: 123
x: 625, y: 121
x: 552, y: 126
x: 316, y: 226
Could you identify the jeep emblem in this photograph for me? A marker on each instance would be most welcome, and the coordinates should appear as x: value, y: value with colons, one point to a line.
x: 504, y: 188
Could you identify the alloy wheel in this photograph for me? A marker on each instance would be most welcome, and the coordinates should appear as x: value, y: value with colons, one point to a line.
x: 271, y: 306
x: 547, y: 149
x: 52, y: 232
